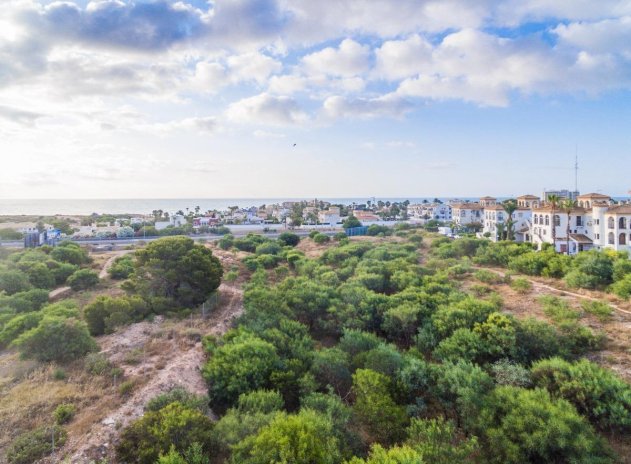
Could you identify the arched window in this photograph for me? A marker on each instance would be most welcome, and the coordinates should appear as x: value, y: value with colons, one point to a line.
x: 557, y: 220
x: 611, y: 239
x: 622, y: 239
x: 547, y: 220
x: 622, y: 223
x: 536, y: 219
x: 611, y: 223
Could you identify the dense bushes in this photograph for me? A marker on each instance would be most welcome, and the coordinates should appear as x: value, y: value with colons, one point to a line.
x: 157, y: 431
x: 83, y: 279
x: 34, y: 445
x: 122, y: 267
x: 177, y: 270
x: 56, y: 338
x: 596, y: 392
x: 105, y: 313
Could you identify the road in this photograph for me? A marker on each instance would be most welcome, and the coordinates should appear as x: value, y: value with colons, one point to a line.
x: 206, y: 237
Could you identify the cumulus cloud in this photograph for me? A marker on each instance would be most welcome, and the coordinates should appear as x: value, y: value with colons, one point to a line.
x: 349, y: 59
x: 267, y: 109
x: 256, y: 67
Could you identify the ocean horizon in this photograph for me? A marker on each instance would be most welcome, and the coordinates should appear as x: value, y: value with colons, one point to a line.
x: 141, y: 206
x: 84, y: 207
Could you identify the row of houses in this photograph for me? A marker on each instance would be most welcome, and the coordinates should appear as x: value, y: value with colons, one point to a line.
x: 596, y: 221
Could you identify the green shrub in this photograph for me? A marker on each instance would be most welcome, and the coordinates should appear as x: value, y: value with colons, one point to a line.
x: 622, y: 287
x: 289, y: 239
x: 13, y: 281
x: 83, y: 279
x: 59, y: 374
x: 57, y: 339
x: 600, y: 309
x: 155, y: 432
x: 64, y: 413
x: 180, y: 395
x: 34, y: 445
x: 321, y: 238
x: 597, y: 393
x: 558, y: 310
x: 122, y: 267
x: 232, y: 276
x: 521, y: 285
x: 125, y: 388
x: 488, y: 277
x: 97, y: 364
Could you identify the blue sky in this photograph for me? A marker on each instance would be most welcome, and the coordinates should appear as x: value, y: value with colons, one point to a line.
x: 155, y: 98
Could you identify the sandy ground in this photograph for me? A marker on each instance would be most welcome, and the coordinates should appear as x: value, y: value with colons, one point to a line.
x: 156, y: 356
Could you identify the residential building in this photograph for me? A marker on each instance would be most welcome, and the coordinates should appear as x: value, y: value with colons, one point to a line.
x: 330, y: 216
x: 496, y: 219
x: 467, y: 214
x: 528, y: 201
x: 430, y: 211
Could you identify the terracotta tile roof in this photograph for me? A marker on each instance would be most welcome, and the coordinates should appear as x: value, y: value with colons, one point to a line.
x: 620, y: 209
x: 528, y: 197
x: 593, y: 195
x: 467, y: 206
x: 581, y: 238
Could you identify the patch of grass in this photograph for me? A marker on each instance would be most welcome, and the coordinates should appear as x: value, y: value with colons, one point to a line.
x: 126, y: 387
x: 133, y: 357
x: 59, y: 374
x: 488, y: 277
x: 97, y: 364
x: 232, y: 276
x: 521, y: 285
x: 601, y: 310
x: 558, y: 310
x: 480, y: 290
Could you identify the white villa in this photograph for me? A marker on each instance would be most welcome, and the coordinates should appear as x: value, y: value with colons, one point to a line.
x: 464, y: 214
x: 330, y: 216
x: 495, y: 217
x: 429, y: 211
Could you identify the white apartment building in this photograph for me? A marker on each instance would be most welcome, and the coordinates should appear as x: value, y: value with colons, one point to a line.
x: 465, y: 214
x: 330, y: 216
x: 429, y: 211
x: 496, y: 217
x: 595, y: 223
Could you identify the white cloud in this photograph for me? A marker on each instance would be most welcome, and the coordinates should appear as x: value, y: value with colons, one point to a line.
x: 210, y: 76
x: 387, y: 106
x: 348, y: 60
x: 267, y: 134
x: 397, y: 59
x: 266, y: 109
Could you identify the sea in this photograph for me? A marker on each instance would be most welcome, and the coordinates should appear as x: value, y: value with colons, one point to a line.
x: 140, y: 206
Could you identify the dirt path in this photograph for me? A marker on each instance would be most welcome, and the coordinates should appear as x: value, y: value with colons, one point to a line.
x: 157, y: 356
x: 110, y: 261
x: 63, y: 291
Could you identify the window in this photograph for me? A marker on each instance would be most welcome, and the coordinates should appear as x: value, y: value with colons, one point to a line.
x: 536, y: 219
x: 622, y: 239
x: 557, y: 220
x: 579, y: 221
x: 597, y: 222
x: 611, y: 223
x: 622, y: 223
x: 611, y: 240
x: 547, y: 220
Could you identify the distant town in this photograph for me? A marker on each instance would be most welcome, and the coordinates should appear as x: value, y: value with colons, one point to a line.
x: 567, y: 220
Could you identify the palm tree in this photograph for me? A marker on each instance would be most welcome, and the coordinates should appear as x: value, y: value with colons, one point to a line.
x: 554, y: 201
x: 510, y: 206
x: 567, y: 205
